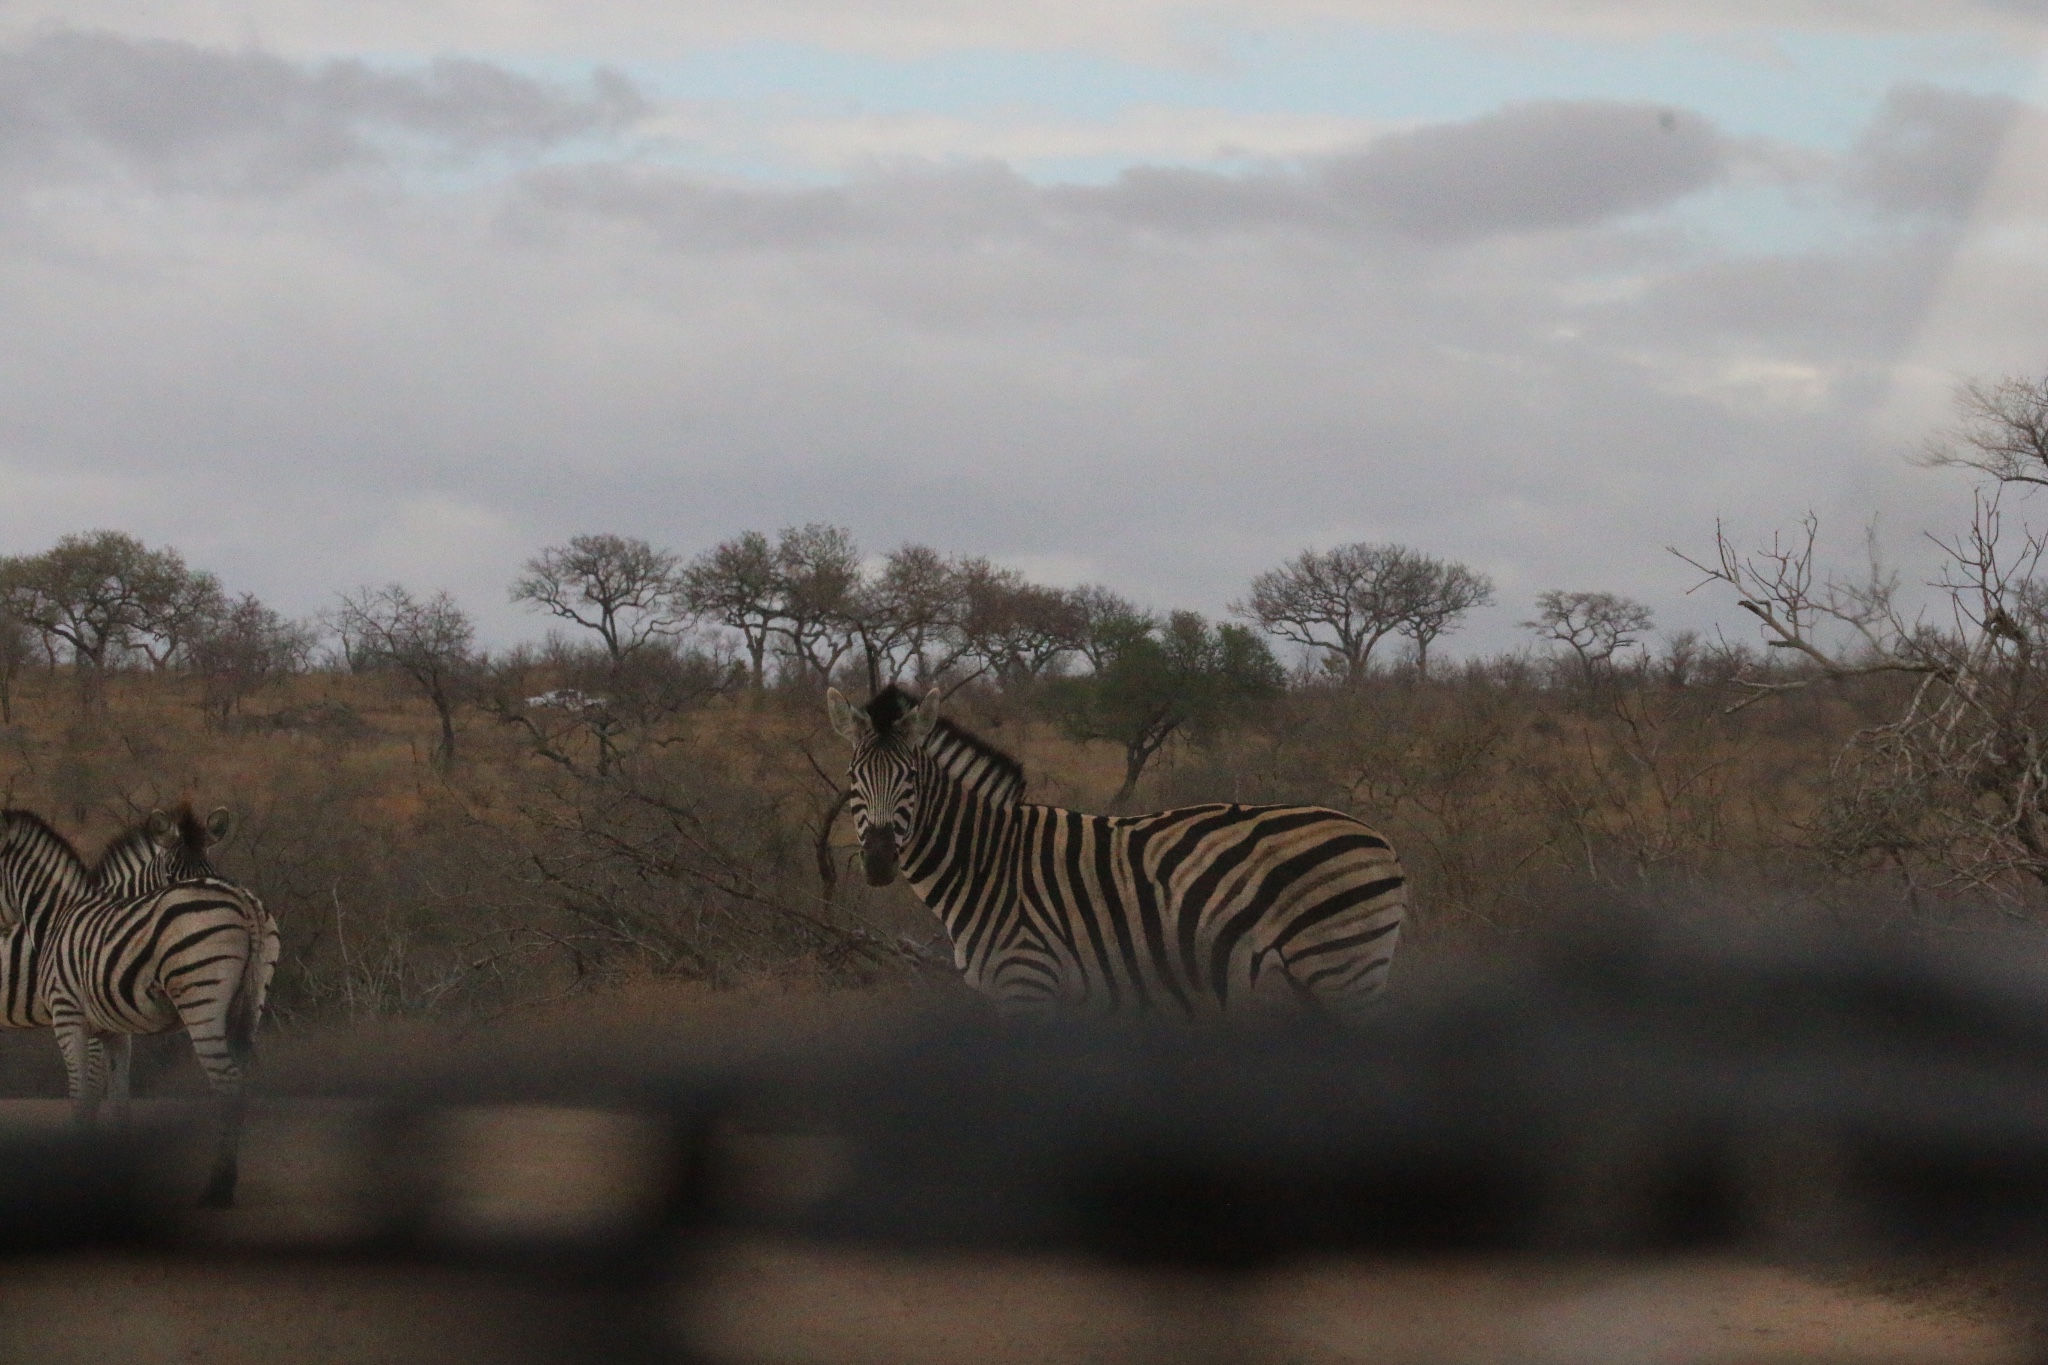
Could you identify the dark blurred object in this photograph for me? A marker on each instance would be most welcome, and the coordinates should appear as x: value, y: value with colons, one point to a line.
x: 1624, y: 1094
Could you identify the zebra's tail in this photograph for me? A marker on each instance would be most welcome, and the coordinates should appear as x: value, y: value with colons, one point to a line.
x: 246, y: 1004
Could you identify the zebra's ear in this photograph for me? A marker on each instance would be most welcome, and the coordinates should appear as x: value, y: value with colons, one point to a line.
x: 163, y: 830
x: 219, y: 826
x: 850, y: 723
x: 925, y: 717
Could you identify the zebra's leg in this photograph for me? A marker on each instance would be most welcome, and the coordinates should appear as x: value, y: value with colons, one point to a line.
x: 1350, y: 987
x: 220, y: 1185
x: 1275, y: 988
x: 206, y: 1024
x: 85, y: 1068
x: 120, y: 1049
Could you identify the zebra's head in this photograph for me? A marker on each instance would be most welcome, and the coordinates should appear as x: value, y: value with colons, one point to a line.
x: 888, y: 737
x: 180, y: 841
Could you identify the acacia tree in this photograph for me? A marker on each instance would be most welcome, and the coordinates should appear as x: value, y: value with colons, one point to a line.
x: 1183, y: 678
x: 1018, y: 630
x: 1345, y: 601
x: 1594, y: 626
x: 738, y: 584
x: 819, y: 575
x: 619, y: 586
x: 907, y: 617
x: 1108, y: 623
x: 429, y: 640
x: 1438, y: 594
x: 103, y: 593
x: 17, y: 647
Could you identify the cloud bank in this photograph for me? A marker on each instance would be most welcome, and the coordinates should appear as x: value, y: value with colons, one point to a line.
x: 321, y: 323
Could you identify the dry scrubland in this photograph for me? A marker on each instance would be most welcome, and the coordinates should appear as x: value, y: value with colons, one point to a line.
x: 520, y: 901
x: 522, y: 875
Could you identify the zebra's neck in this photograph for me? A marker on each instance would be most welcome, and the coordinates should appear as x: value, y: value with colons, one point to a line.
x: 40, y: 872
x: 963, y: 810
x: 973, y: 764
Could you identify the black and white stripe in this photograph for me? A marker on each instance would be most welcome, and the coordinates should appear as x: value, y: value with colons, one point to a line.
x: 1194, y: 913
x: 40, y: 873
x: 164, y: 944
x: 160, y: 850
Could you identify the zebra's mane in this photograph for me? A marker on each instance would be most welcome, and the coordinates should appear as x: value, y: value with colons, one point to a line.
x: 974, y: 762
x: 963, y: 755
x: 23, y: 833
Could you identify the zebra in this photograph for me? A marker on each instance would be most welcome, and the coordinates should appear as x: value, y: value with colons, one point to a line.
x: 1193, y: 913
x: 164, y: 942
x: 40, y: 872
x: 167, y: 847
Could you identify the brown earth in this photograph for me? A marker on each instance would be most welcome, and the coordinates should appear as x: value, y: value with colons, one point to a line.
x: 258, y: 1285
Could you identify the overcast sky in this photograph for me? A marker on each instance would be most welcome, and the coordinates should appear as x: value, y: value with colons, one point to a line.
x: 1129, y: 291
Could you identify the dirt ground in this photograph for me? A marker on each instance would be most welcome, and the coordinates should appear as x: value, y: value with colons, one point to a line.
x: 249, y: 1292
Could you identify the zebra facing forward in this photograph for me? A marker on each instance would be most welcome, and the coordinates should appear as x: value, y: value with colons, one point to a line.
x: 165, y: 943
x: 1194, y: 913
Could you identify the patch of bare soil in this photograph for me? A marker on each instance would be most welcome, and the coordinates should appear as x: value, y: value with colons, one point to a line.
x: 760, y: 1302
x: 271, y: 1281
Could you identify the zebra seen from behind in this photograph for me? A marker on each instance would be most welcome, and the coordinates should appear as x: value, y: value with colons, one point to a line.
x: 1193, y: 913
x: 164, y: 943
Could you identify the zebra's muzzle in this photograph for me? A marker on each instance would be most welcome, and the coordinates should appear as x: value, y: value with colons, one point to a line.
x: 878, y: 856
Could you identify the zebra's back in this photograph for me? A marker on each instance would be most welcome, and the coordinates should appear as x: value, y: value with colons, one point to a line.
x: 195, y: 950
x: 1198, y: 911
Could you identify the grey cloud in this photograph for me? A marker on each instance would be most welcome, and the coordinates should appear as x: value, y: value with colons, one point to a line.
x: 183, y: 116
x: 1931, y: 150
x: 1524, y: 168
x: 1175, y: 380
x: 1529, y: 167
x: 683, y: 211
x: 1534, y: 167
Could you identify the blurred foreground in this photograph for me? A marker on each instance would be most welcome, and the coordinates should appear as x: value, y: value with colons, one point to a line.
x: 1629, y: 1148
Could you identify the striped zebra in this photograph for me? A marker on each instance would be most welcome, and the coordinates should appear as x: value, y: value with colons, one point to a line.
x: 163, y: 943
x: 40, y: 873
x: 1194, y: 913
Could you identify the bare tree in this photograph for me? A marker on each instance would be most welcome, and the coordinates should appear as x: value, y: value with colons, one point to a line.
x: 430, y: 641
x: 2002, y: 430
x: 1342, y: 601
x: 1957, y: 783
x: 1595, y: 626
x: 242, y: 650
x: 619, y: 586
